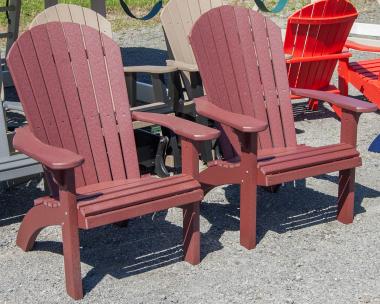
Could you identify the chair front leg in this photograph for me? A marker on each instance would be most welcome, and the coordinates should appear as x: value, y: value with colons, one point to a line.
x: 191, y: 231
x: 248, y: 190
x: 346, y: 191
x: 70, y: 233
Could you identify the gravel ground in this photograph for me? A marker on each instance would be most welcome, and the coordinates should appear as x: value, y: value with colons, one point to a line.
x: 303, y: 254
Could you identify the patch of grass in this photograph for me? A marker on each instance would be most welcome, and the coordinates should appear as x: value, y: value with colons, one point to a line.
x: 30, y: 8
x: 119, y: 20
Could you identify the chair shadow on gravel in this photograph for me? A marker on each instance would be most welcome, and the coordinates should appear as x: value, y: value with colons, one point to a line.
x: 293, y: 207
x: 147, y: 243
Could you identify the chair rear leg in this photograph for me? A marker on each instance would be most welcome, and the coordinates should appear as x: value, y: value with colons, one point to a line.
x: 248, y: 214
x: 313, y: 104
x: 346, y: 196
x: 34, y: 221
x: 191, y: 233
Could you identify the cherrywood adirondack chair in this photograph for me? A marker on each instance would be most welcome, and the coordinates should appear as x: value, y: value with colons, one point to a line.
x: 70, y: 80
x: 241, y: 60
x: 163, y: 103
x: 364, y: 75
x: 315, y: 37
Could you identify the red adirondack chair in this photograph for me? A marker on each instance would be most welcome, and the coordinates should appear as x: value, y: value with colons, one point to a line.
x: 241, y: 60
x: 363, y: 74
x: 70, y: 80
x: 315, y: 37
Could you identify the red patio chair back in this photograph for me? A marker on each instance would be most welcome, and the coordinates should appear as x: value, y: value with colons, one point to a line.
x: 318, y: 29
x: 243, y: 70
x: 75, y: 101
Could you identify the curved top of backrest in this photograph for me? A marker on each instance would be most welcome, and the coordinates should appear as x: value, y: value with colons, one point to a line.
x: 317, y: 29
x: 70, y: 81
x: 73, y: 13
x: 326, y: 21
x: 177, y: 18
x: 241, y: 60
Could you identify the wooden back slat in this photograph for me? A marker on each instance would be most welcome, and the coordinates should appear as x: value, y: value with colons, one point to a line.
x: 78, y: 99
x: 316, y: 39
x: 73, y: 13
x: 242, y: 64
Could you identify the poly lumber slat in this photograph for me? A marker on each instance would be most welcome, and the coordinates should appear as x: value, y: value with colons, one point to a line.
x: 302, y: 173
x: 88, y: 99
x: 25, y: 93
x: 252, y: 74
x: 308, y: 161
x: 37, y: 83
x: 72, y: 100
x: 64, y: 13
x: 282, y: 85
x: 121, y: 104
x: 267, y: 77
x: 304, y: 153
x: 77, y: 15
x: 141, y: 209
x: 44, y: 53
x: 139, y: 197
x: 100, y: 81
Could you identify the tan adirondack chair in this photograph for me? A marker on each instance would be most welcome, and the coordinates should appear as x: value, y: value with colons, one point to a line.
x: 86, y: 16
x: 177, y: 18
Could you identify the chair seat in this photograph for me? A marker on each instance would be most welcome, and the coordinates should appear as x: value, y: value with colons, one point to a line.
x: 364, y: 75
x: 279, y: 165
x: 115, y: 201
x: 368, y: 69
x: 304, y: 161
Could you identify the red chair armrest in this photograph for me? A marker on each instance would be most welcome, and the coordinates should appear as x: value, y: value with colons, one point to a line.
x: 348, y: 103
x: 319, y: 58
x: 242, y: 123
x: 179, y: 126
x: 50, y: 156
x: 361, y: 47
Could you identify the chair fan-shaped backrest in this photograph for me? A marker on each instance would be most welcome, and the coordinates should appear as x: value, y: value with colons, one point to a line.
x: 320, y: 28
x: 241, y: 60
x: 70, y: 80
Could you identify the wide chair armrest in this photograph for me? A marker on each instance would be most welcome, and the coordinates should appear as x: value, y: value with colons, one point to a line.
x: 150, y: 69
x: 347, y: 103
x: 362, y: 47
x: 183, y: 66
x: 242, y: 123
x: 50, y: 156
x: 295, y: 59
x: 179, y: 126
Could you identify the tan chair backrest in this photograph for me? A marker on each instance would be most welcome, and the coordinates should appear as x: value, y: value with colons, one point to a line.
x: 74, y: 13
x: 177, y: 19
